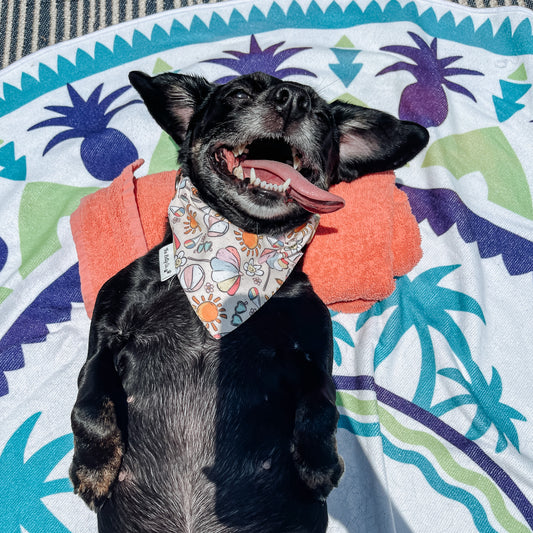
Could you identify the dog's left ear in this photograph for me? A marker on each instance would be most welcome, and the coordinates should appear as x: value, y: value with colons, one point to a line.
x: 373, y: 141
x: 171, y: 99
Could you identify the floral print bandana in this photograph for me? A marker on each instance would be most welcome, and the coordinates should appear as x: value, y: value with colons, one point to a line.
x: 226, y: 272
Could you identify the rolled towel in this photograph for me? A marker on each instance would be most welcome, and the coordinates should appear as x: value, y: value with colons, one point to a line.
x: 352, y: 260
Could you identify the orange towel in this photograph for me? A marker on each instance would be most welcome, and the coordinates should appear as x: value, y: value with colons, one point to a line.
x: 358, y: 251
x: 352, y: 260
x: 117, y: 224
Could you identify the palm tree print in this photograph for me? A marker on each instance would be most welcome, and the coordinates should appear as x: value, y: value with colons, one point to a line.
x: 23, y: 484
x: 104, y: 151
x: 425, y: 100
x: 340, y: 333
x: 259, y: 60
x: 489, y: 408
x: 422, y: 304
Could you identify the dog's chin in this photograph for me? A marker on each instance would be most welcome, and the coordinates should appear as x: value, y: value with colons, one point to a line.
x: 250, y: 207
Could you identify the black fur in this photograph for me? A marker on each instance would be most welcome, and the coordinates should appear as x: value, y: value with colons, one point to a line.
x: 175, y: 430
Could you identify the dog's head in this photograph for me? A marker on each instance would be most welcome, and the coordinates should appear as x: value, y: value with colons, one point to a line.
x: 262, y: 151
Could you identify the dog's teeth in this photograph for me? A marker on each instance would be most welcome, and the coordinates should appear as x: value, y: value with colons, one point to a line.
x: 238, y: 173
x: 296, y: 161
x: 254, y: 180
x: 239, y: 150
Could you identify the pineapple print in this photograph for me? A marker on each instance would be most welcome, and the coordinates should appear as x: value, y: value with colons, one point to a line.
x: 267, y: 60
x: 104, y: 151
x: 425, y: 100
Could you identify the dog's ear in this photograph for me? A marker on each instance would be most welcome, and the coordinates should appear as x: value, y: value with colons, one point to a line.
x: 373, y: 141
x: 171, y: 99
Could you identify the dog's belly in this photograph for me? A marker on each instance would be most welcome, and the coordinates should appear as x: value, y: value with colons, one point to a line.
x: 209, y: 438
x: 210, y: 422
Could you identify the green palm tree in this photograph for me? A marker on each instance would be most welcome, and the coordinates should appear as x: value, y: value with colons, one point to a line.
x: 489, y: 408
x: 23, y: 483
x: 424, y: 305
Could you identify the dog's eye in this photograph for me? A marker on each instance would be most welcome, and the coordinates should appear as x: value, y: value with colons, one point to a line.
x: 323, y: 117
x: 240, y: 94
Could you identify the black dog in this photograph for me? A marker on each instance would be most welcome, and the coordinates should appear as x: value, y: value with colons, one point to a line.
x: 177, y: 430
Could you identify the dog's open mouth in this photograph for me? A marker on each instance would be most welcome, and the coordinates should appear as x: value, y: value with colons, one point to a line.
x: 274, y: 166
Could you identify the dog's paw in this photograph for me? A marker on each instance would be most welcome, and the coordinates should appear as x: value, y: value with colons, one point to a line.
x: 320, y: 479
x: 94, y: 485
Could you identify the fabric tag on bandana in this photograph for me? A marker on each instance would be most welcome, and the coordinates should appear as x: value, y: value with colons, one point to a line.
x: 226, y: 272
x: 167, y: 266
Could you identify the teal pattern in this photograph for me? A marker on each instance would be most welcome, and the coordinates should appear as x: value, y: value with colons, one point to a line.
x: 433, y: 381
x: 23, y: 483
x: 505, y: 41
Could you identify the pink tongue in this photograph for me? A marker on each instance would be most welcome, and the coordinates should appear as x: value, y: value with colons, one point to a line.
x: 302, y: 191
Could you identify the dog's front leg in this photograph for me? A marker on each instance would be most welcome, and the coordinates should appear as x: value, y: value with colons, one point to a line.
x: 98, y: 423
x: 314, y: 441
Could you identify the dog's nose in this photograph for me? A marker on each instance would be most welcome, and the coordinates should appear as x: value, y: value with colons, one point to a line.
x: 291, y: 101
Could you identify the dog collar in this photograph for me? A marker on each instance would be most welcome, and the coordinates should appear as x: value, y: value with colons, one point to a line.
x: 226, y: 272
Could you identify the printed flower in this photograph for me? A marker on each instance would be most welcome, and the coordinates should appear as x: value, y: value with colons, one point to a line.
x: 274, y: 259
x: 253, y: 269
x: 180, y: 260
x: 226, y: 270
x: 250, y: 242
x: 209, y: 288
x: 209, y: 311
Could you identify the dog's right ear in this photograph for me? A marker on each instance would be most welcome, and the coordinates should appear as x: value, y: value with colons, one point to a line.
x: 374, y: 141
x: 171, y: 99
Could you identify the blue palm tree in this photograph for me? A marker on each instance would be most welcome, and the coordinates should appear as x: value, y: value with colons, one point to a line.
x: 424, y: 304
x: 23, y: 483
x: 489, y: 408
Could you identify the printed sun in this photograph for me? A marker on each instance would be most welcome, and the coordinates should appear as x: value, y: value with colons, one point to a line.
x: 209, y: 310
x: 250, y: 243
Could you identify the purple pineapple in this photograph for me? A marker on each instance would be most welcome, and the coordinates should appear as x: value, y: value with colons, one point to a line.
x: 425, y: 100
x: 3, y: 253
x: 259, y: 60
x: 104, y: 151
